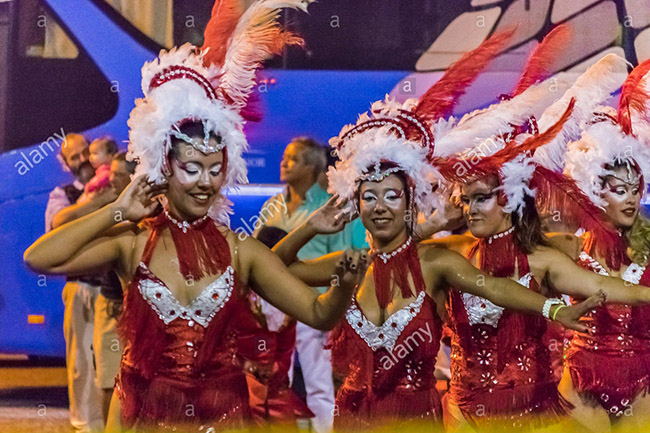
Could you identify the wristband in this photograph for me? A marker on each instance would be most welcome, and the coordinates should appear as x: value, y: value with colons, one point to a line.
x: 546, y: 310
x: 556, y: 310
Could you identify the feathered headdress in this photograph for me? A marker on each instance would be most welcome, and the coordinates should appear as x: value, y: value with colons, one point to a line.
x: 592, y: 89
x: 611, y: 137
x: 511, y: 161
x: 515, y: 113
x: 402, y: 135
x: 608, y: 137
x: 210, y: 85
x: 502, y: 138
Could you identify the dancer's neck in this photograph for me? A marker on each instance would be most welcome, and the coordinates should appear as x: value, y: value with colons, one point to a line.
x: 396, y: 242
x: 178, y: 215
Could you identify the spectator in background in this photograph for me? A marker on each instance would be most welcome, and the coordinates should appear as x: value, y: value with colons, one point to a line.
x: 102, y: 151
x: 79, y: 293
x: 107, y: 347
x: 303, y: 163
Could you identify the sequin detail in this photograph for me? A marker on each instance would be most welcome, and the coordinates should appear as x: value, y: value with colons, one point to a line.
x: 387, y: 334
x: 201, y: 310
x: 481, y: 311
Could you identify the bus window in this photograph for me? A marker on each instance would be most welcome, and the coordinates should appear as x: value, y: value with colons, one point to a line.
x: 367, y: 34
x: 43, y: 37
x: 53, y: 84
x: 154, y: 18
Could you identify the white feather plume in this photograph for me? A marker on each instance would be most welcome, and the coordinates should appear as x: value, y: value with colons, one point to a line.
x: 602, y: 143
x: 516, y: 175
x: 252, y: 42
x: 590, y: 90
x: 475, y: 127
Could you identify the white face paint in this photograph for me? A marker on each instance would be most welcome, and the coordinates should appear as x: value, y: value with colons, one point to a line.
x: 623, y: 198
x: 481, y: 209
x: 191, y: 172
x: 382, y: 208
x: 392, y: 198
x: 195, y: 181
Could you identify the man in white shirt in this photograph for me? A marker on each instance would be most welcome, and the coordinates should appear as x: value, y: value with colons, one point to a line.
x: 79, y: 294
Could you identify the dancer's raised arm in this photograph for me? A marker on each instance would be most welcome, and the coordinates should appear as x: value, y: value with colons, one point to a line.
x: 316, y: 272
x: 459, y: 273
x: 564, y: 275
x: 86, y: 244
x: 274, y: 282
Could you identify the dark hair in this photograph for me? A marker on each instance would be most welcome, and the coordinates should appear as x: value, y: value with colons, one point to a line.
x: 270, y: 236
x: 110, y: 146
x: 130, y: 165
x: 194, y: 128
x: 332, y: 158
x: 314, y: 153
x: 623, y: 163
x: 528, y: 228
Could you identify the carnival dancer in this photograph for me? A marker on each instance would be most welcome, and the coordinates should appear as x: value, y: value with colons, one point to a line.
x: 388, y: 342
x: 188, y: 273
x: 607, y: 371
x: 501, y: 363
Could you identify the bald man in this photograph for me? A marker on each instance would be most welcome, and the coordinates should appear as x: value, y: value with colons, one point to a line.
x: 79, y: 293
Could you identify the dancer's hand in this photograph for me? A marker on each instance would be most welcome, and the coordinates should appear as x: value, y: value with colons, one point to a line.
x: 102, y: 197
x: 329, y: 218
x: 449, y: 217
x: 569, y: 317
x: 137, y: 200
x: 352, y: 267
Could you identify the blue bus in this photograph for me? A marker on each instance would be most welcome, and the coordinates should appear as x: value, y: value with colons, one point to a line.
x: 74, y: 66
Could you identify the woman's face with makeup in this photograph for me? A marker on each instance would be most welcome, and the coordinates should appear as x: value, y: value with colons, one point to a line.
x: 482, y: 212
x: 623, y: 197
x: 382, y: 208
x: 195, y: 181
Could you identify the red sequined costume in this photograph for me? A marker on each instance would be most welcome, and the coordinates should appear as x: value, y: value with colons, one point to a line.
x: 501, y: 368
x: 267, y: 356
x: 612, y: 364
x: 388, y: 369
x: 180, y: 368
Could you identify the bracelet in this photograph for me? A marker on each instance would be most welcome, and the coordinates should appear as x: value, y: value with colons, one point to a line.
x: 546, y: 311
x: 556, y: 310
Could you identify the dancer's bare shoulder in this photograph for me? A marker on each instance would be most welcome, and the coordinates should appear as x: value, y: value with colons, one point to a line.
x: 568, y: 243
x: 458, y: 243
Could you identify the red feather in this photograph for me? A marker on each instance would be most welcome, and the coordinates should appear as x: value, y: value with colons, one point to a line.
x: 439, y: 100
x: 540, y: 64
x: 555, y: 192
x: 449, y: 167
x: 225, y: 15
x: 633, y: 96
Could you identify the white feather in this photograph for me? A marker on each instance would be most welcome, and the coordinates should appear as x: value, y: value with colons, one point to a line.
x: 516, y: 175
x: 250, y: 44
x: 602, y: 143
x: 497, y: 119
x: 591, y: 89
